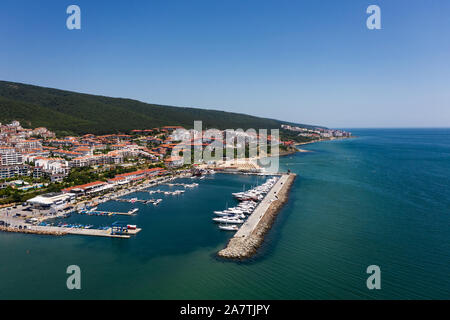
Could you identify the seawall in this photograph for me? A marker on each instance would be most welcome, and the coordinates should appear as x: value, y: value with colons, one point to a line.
x: 31, y: 231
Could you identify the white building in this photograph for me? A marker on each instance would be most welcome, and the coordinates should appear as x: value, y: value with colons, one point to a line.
x: 11, y: 158
x: 48, y: 200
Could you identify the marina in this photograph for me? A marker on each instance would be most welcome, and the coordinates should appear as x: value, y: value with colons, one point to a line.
x: 33, y: 225
x: 311, y: 237
x: 230, y: 217
x: 241, y: 218
x: 250, y: 235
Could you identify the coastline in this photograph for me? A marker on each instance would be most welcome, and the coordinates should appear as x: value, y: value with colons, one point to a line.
x: 321, y: 140
x: 19, y: 225
x: 244, y: 246
x: 117, y: 193
x: 114, y: 194
x: 289, y: 152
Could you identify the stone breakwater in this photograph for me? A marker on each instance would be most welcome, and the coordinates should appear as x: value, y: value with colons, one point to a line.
x: 31, y: 231
x: 241, y: 247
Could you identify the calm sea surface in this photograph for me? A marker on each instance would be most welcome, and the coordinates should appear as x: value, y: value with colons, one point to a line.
x: 382, y: 198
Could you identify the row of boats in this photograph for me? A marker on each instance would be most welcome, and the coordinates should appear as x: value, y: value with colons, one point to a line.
x: 173, y: 193
x: 186, y: 185
x: 258, y: 193
x: 149, y: 201
x: 95, y: 212
x: 67, y: 225
x: 230, y: 218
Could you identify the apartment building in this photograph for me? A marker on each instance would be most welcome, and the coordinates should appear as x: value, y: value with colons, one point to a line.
x: 12, y: 171
x: 11, y: 158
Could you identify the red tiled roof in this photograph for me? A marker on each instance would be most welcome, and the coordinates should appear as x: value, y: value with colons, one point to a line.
x: 138, y: 172
x: 67, y: 152
x: 116, y: 179
x: 170, y: 159
x: 85, y: 186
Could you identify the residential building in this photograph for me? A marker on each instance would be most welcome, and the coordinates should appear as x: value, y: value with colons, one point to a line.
x: 12, y: 171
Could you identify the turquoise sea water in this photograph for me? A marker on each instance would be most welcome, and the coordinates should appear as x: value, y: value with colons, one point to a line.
x: 382, y: 198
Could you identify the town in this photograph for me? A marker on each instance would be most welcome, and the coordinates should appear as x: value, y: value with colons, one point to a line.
x: 45, y: 176
x: 35, y: 162
x: 317, y: 133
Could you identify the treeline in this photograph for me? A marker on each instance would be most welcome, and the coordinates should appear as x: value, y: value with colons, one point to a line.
x: 67, y: 112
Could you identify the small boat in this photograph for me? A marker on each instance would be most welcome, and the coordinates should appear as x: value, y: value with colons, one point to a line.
x: 229, y: 227
x: 228, y: 220
x: 221, y: 213
x: 233, y: 211
x: 133, y: 211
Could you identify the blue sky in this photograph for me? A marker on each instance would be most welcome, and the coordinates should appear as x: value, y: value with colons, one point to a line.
x: 304, y: 61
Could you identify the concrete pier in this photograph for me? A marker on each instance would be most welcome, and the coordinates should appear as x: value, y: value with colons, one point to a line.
x: 250, y: 236
x: 59, y: 231
x: 33, y: 231
x: 85, y: 232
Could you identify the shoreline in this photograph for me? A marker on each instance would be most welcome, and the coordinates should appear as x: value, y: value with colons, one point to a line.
x: 322, y: 140
x: 19, y: 225
x: 241, y: 247
x: 289, y: 152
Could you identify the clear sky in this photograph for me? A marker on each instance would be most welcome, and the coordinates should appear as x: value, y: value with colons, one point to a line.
x: 309, y: 61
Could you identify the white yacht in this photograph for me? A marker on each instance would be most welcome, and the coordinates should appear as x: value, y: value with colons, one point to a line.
x: 221, y: 213
x: 228, y: 220
x: 233, y: 211
x: 229, y: 227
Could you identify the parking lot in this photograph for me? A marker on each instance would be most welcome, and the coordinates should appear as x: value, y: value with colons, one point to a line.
x: 16, y: 216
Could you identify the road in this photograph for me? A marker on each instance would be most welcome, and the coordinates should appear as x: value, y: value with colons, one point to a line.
x: 252, y: 221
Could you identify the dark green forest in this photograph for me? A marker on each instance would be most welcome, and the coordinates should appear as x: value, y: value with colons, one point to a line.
x: 67, y: 112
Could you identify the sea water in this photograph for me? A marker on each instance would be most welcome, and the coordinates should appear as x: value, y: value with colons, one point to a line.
x: 382, y: 198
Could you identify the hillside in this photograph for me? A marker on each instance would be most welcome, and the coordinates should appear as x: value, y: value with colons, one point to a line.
x: 69, y: 112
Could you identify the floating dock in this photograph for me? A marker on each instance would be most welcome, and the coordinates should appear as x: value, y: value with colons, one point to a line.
x: 250, y: 235
x: 148, y: 201
x: 107, y: 213
x: 132, y: 201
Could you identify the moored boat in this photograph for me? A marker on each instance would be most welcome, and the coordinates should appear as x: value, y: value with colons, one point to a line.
x: 228, y: 220
x: 228, y: 227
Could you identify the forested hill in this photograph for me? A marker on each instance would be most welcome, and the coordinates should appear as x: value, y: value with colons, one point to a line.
x: 69, y: 112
